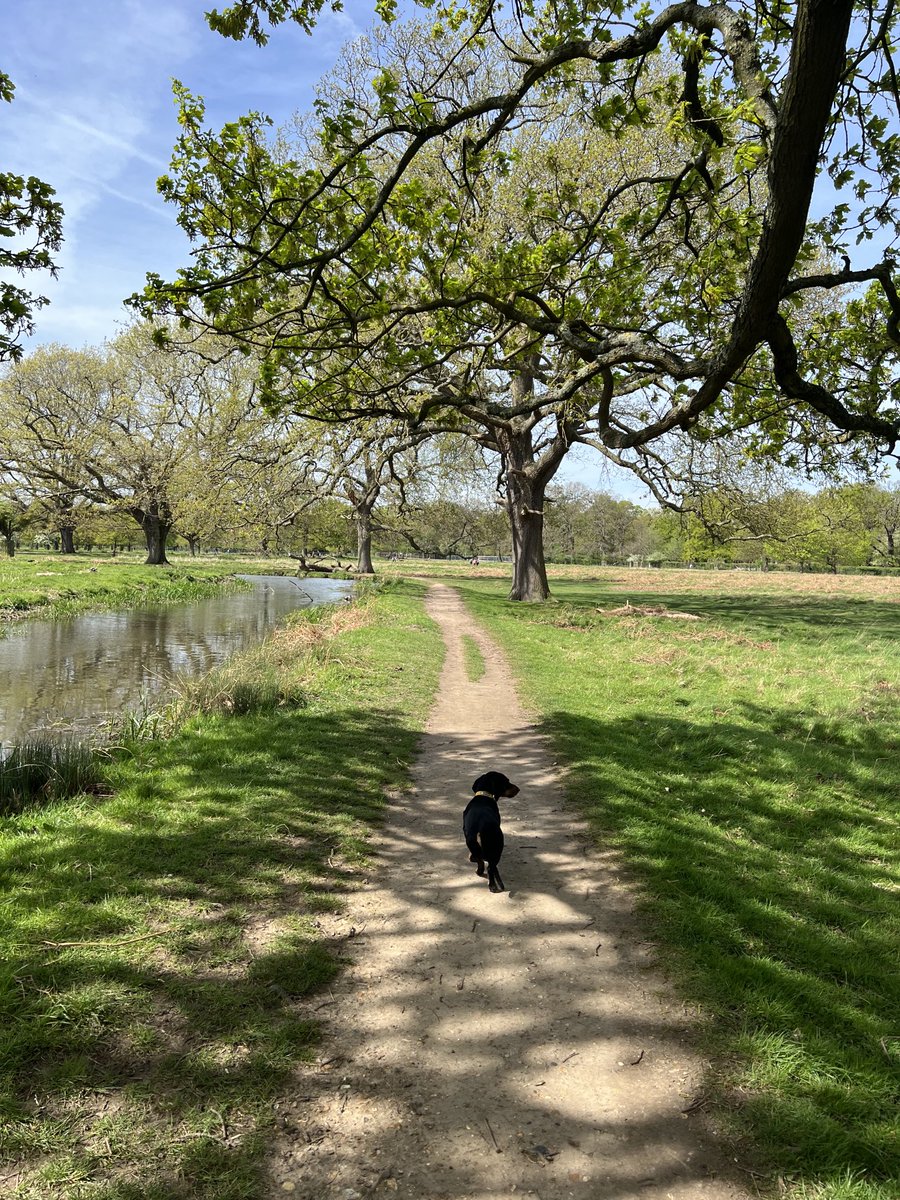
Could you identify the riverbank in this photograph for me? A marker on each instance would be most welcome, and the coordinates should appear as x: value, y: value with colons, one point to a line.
x: 57, y: 585
x: 159, y: 940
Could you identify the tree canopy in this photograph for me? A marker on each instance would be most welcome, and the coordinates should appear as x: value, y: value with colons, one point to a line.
x: 761, y: 99
x: 175, y: 440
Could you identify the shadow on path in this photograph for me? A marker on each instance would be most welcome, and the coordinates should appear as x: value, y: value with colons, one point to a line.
x: 490, y: 1046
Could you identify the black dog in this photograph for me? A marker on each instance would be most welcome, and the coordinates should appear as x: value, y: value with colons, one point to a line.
x: 481, y: 824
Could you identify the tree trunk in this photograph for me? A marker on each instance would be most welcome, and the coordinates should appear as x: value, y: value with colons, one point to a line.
x: 527, y: 479
x: 156, y: 529
x: 526, y: 518
x: 364, y: 539
x: 10, y: 542
x: 525, y: 487
x: 67, y: 539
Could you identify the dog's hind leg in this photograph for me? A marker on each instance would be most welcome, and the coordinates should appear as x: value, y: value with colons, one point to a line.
x: 492, y: 848
x: 475, y: 855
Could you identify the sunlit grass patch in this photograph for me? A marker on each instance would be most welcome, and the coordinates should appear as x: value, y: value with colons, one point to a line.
x: 62, y: 586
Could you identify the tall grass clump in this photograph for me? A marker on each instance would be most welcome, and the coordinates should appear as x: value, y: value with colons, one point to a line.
x: 273, y: 675
x: 276, y: 673
x: 37, y: 772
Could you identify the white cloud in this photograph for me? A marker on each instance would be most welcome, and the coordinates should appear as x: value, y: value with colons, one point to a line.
x: 129, y: 149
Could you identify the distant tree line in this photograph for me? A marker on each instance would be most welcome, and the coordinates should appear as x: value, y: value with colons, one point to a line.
x: 136, y: 443
x: 850, y: 526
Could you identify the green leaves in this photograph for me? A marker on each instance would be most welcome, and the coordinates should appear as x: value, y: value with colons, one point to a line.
x: 605, y: 189
x: 246, y: 18
x: 32, y: 220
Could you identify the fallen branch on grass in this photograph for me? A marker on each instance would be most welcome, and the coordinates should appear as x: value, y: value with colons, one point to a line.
x: 144, y: 937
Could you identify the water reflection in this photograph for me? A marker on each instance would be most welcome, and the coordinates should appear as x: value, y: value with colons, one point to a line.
x: 64, y: 679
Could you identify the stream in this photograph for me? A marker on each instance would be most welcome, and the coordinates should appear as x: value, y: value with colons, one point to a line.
x: 62, y: 680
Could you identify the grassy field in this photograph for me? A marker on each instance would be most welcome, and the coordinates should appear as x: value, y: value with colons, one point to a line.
x: 736, y: 737
x: 157, y: 942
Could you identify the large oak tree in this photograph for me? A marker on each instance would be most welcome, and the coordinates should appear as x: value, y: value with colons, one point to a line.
x: 690, y: 297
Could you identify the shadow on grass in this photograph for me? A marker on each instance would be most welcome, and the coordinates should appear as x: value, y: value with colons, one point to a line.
x: 766, y: 860
x: 224, y: 844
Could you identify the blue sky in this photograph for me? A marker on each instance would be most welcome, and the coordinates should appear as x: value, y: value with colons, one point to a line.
x: 93, y: 116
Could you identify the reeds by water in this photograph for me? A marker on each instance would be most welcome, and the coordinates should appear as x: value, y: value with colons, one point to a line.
x: 40, y: 772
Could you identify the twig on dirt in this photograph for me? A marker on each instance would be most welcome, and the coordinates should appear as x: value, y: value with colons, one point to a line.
x: 695, y: 1104
x: 474, y: 925
x: 589, y: 923
x: 568, y: 1056
x: 597, y: 951
x: 750, y: 1171
x: 638, y: 1059
x: 493, y: 1139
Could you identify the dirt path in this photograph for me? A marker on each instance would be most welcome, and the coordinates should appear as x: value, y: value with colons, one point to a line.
x: 486, y: 1047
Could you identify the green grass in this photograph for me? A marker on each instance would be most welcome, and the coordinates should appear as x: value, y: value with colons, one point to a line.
x: 745, y: 765
x: 62, y: 585
x: 157, y: 944
x: 474, y: 659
